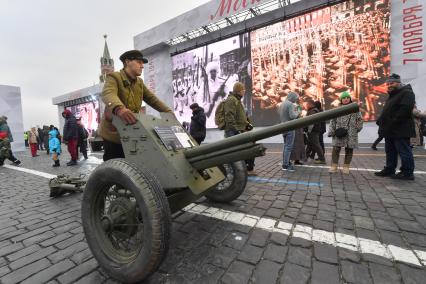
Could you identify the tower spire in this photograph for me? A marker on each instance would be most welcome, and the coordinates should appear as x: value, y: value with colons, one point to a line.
x: 107, y: 64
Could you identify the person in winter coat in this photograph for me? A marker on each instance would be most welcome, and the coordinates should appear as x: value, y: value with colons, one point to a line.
x: 288, y: 112
x: 236, y: 120
x: 417, y: 116
x: 33, y: 140
x: 298, y: 155
x: 197, y: 128
x: 353, y: 125
x: 54, y: 147
x: 70, y: 136
x: 313, y: 132
x: 82, y: 139
x: 396, y: 125
x: 40, y: 139
x: 45, y: 139
x: 323, y: 126
x: 6, y: 136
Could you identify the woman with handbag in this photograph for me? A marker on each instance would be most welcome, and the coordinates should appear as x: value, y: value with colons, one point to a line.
x: 344, y: 132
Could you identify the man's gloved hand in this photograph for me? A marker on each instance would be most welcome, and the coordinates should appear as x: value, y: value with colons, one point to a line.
x: 126, y: 115
x: 249, y: 127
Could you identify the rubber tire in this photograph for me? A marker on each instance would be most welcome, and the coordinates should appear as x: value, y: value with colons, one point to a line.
x: 155, y: 212
x: 235, y: 189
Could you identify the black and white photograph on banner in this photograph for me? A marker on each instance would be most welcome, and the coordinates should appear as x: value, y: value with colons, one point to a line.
x: 320, y: 54
x: 207, y: 74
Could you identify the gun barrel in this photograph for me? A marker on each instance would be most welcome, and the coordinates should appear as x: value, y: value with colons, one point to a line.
x: 270, y: 131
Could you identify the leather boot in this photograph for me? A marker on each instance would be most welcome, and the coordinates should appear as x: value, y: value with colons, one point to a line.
x: 346, y: 169
x: 333, y: 168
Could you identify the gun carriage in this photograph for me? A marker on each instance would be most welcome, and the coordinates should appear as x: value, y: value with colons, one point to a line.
x: 127, y: 203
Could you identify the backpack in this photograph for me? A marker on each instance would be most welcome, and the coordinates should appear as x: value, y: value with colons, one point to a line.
x: 219, y: 115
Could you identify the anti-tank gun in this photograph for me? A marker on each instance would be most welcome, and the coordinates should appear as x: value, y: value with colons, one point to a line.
x: 127, y: 203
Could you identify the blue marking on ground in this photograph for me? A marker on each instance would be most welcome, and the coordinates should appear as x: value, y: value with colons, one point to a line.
x: 283, y: 181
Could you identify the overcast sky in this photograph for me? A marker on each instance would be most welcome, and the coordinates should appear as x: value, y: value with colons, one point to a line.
x: 53, y: 47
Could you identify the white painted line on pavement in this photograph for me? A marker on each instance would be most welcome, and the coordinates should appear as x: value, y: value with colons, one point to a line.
x: 353, y: 169
x: 37, y: 173
x: 361, y: 245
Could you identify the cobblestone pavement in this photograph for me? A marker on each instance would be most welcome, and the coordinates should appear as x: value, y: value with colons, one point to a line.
x: 302, y: 227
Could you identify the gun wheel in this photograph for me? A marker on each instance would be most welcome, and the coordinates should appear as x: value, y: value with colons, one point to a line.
x: 126, y: 220
x: 233, y: 185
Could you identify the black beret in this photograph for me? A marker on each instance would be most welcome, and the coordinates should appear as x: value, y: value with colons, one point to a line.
x: 133, y: 55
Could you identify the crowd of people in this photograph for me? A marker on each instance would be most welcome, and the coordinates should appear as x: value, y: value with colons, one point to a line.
x: 50, y: 140
x: 399, y: 124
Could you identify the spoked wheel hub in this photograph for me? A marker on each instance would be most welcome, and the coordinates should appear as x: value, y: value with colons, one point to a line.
x: 120, y: 224
x: 120, y: 217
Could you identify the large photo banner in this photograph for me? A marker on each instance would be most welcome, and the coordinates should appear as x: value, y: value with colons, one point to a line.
x: 408, y: 45
x: 345, y: 47
x: 207, y: 74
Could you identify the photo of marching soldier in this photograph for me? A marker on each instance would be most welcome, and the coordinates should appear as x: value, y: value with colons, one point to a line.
x: 206, y: 75
x: 345, y: 47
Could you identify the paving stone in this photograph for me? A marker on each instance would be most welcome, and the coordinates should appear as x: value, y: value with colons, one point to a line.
x: 23, y: 252
x: 82, y: 256
x: 236, y: 240
x: 49, y: 273
x: 346, y: 254
x: 67, y: 252
x: 26, y: 271
x: 77, y: 272
x: 325, y: 253
x: 363, y: 222
x: 38, y: 238
x: 279, y: 238
x: 238, y: 272
x: 386, y: 225
x: 266, y: 272
x: 69, y: 241
x: 383, y: 274
x: 94, y: 277
x: 410, y: 226
x: 31, y: 258
x: 415, y: 239
x: 275, y: 253
x: 10, y: 249
x: 294, y: 274
x: 55, y: 239
x: 224, y: 256
x: 323, y: 225
x: 355, y: 272
x: 251, y: 254
x: 325, y: 273
x: 300, y: 256
x: 412, y: 275
x: 259, y: 237
x: 29, y: 234
x: 4, y: 270
x: 294, y: 241
x: 392, y: 238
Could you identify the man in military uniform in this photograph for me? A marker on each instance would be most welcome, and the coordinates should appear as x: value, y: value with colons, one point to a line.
x: 123, y: 94
x: 236, y: 120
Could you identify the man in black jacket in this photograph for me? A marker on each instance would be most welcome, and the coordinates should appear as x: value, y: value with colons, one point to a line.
x: 396, y: 125
x: 82, y: 139
x: 313, y: 132
x: 197, y: 127
x: 70, y: 136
